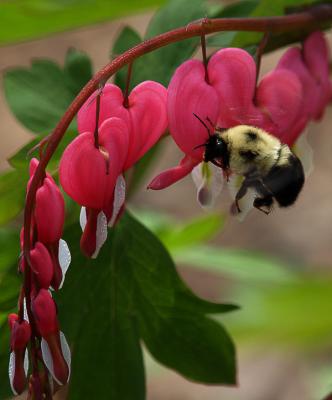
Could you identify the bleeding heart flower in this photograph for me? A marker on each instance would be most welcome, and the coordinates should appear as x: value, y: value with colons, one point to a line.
x: 89, y: 175
x: 20, y: 333
x: 55, y: 349
x: 230, y: 98
x: 145, y: 115
x: 125, y: 134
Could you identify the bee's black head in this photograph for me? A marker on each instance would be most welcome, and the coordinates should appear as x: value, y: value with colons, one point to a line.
x: 216, y: 149
x: 215, y: 146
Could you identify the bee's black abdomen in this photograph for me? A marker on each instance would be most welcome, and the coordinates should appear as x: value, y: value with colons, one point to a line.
x: 286, y: 181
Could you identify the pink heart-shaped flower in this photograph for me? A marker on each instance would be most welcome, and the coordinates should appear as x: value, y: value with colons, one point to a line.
x: 146, y: 115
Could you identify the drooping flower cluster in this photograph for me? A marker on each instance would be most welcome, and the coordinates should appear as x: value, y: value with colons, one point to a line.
x: 115, y: 131
x: 283, y: 103
x: 49, y: 260
x: 111, y: 140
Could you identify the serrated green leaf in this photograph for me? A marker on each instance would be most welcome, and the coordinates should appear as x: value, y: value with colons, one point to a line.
x: 39, y: 96
x: 77, y: 69
x: 131, y: 285
x: 22, y: 158
x: 161, y: 64
x: 127, y: 39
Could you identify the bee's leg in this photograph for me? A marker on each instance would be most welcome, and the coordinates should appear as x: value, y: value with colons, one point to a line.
x: 242, y: 192
x: 264, y: 204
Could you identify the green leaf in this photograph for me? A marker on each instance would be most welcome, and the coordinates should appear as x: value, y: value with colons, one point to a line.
x: 237, y: 10
x: 161, y: 64
x: 192, y: 233
x: 77, y: 69
x: 39, y: 96
x: 132, y: 291
x: 28, y: 19
x: 239, y: 264
x: 12, y: 194
x: 5, y: 391
x: 127, y: 39
x: 267, y: 8
x: 9, y: 245
x: 22, y: 158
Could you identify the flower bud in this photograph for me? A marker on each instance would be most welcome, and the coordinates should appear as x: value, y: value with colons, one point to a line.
x: 41, y: 264
x: 18, y: 361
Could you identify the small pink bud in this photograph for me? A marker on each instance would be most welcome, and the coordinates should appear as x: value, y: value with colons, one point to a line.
x: 44, y: 310
x: 18, y: 362
x: 41, y: 264
x: 49, y: 212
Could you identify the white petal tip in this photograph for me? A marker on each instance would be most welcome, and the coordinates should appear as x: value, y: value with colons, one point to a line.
x: 119, y: 198
x: 64, y: 257
x: 101, y: 233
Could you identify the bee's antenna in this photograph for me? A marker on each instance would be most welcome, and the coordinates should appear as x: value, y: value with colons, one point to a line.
x: 200, y: 145
x: 203, y: 123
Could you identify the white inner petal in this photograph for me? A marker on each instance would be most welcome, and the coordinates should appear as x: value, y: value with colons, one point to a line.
x: 47, y: 358
x: 119, y: 198
x: 64, y: 259
x: 305, y: 153
x: 101, y: 233
x: 11, y: 371
x: 65, y: 351
x: 209, y: 180
x: 25, y: 311
x: 83, y: 219
x: 26, y: 362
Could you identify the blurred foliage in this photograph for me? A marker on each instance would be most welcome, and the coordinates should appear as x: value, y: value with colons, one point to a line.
x: 35, y: 18
x: 132, y: 292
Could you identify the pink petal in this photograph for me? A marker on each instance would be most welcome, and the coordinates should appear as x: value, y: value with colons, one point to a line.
x: 279, y: 96
x: 173, y: 175
x: 232, y: 73
x: 44, y: 310
x: 148, y: 116
x: 49, y: 212
x: 87, y: 175
x: 293, y: 61
x: 316, y: 57
x: 188, y: 93
x: 111, y: 105
x: 41, y: 264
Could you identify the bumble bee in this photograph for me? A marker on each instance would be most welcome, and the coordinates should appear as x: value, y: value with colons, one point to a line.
x: 267, y: 165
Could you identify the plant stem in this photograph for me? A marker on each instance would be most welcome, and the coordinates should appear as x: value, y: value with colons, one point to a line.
x: 311, y: 18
